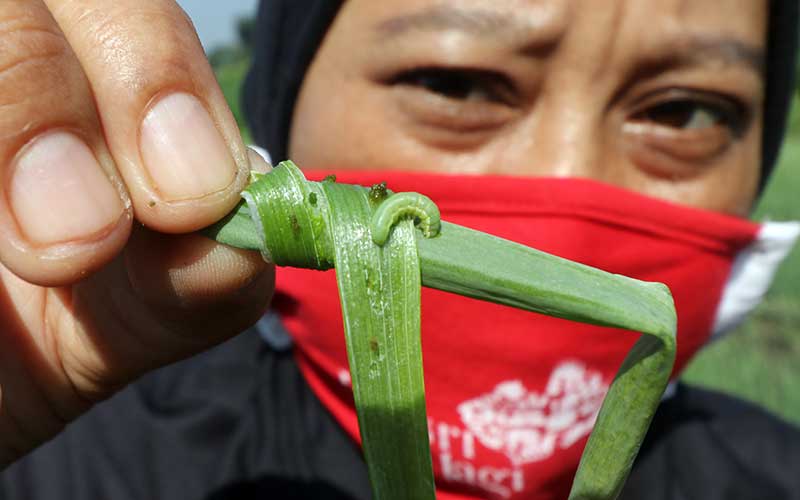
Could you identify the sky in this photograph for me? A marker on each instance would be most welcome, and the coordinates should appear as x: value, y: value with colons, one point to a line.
x: 215, y: 20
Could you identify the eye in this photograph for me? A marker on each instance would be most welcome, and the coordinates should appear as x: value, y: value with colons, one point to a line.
x: 682, y: 111
x: 456, y: 109
x: 674, y: 132
x: 459, y: 84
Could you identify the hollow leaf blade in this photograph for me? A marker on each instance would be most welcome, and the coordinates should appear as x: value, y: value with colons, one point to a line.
x: 319, y: 225
x: 379, y: 289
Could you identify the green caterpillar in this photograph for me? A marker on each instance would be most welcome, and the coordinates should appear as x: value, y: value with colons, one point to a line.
x: 425, y: 212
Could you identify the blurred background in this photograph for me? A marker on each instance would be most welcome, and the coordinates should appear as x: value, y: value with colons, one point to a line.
x: 760, y: 361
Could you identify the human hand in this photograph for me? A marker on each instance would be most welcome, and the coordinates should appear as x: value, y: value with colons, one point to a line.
x: 116, y: 144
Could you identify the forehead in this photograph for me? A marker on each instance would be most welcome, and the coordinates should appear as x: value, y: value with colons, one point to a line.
x: 558, y: 19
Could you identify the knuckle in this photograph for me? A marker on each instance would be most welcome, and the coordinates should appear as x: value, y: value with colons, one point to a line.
x: 37, y: 69
x: 144, y: 43
x: 28, y: 46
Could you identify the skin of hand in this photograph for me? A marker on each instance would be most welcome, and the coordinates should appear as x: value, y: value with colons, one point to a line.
x: 663, y: 97
x: 116, y: 144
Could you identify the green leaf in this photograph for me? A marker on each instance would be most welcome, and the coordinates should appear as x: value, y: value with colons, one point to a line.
x: 321, y: 225
x: 379, y: 288
x: 478, y: 265
x: 314, y: 225
x: 236, y: 229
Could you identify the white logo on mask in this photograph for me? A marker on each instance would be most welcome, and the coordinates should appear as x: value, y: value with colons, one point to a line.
x: 528, y: 426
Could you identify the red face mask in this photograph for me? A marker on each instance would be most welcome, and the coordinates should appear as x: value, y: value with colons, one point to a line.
x: 512, y: 395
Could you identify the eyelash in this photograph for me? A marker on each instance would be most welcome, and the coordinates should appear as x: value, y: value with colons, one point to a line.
x: 727, y: 111
x: 457, y: 83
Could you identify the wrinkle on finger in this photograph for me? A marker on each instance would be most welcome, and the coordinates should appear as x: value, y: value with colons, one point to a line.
x: 112, y: 34
x: 191, y: 271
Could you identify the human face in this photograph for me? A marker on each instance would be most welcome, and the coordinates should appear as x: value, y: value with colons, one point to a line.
x: 663, y: 97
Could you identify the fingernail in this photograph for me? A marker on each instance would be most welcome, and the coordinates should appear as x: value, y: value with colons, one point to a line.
x: 182, y: 150
x: 59, y: 192
x: 258, y: 164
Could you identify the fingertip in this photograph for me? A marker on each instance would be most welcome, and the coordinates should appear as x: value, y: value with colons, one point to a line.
x: 58, y: 191
x: 186, y: 216
x: 188, y: 271
x: 258, y: 163
x: 63, y: 263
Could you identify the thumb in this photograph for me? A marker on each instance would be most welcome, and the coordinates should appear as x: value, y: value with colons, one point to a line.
x: 166, y: 298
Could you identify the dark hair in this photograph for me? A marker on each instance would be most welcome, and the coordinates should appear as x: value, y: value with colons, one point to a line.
x: 782, y: 41
x: 289, y: 32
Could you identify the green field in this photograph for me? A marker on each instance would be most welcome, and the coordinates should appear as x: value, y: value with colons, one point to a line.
x: 760, y: 361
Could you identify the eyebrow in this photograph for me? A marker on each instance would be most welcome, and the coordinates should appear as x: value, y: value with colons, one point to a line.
x: 702, y: 48
x: 444, y: 17
x: 487, y: 23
